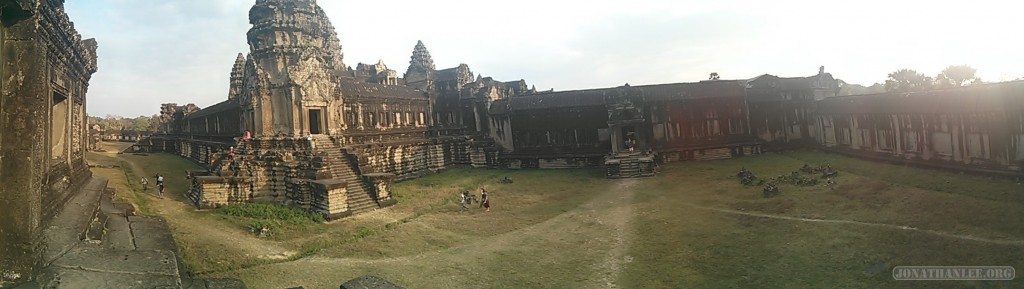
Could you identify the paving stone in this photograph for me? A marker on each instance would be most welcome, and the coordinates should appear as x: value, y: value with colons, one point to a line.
x: 151, y: 233
x: 119, y: 234
x: 63, y: 278
x: 153, y: 262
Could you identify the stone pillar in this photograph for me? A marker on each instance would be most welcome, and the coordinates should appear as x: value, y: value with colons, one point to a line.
x: 25, y: 93
x: 614, y: 135
x: 330, y: 198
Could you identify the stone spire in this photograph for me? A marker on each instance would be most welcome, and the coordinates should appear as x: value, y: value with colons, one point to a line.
x: 285, y: 31
x: 237, y: 76
x: 421, y: 60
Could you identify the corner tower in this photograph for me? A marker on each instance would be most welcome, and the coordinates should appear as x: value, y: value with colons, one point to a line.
x: 237, y: 76
x: 421, y: 68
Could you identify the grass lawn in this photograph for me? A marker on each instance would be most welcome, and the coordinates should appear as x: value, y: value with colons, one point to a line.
x: 679, y: 246
x: 691, y: 226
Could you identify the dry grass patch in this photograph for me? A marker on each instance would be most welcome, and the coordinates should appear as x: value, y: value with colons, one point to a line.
x: 574, y: 229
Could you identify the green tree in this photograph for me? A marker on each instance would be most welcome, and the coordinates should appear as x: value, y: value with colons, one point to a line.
x: 905, y: 80
x: 714, y: 76
x: 956, y: 76
x: 141, y: 123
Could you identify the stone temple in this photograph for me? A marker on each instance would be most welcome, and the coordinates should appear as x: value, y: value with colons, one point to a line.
x: 300, y: 127
x: 331, y: 139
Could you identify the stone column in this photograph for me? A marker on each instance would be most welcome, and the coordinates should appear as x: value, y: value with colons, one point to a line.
x: 614, y: 135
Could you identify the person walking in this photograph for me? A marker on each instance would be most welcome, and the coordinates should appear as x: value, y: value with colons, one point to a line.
x: 160, y: 185
x: 145, y: 184
x: 462, y: 202
x: 485, y: 201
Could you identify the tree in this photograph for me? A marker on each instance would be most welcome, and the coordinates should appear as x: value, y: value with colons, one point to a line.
x: 956, y: 76
x: 155, y: 122
x: 141, y: 123
x: 714, y: 76
x: 906, y: 80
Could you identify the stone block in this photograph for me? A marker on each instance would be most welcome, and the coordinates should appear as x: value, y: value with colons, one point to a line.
x: 369, y: 282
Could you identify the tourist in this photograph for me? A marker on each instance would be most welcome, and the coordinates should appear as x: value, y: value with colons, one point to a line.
x: 462, y: 202
x: 485, y: 201
x: 145, y: 184
x: 248, y: 135
x: 160, y: 184
x: 231, y: 153
x: 309, y: 137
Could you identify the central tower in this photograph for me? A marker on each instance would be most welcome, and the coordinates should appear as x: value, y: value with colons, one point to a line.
x: 292, y: 70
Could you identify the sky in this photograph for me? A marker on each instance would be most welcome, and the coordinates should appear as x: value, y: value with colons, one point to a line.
x: 181, y: 51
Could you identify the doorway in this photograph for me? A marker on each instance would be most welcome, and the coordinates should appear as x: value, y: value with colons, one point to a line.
x: 315, y: 121
x: 629, y: 138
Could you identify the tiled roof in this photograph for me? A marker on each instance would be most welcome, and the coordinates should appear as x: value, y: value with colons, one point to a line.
x: 216, y: 108
x: 693, y: 90
x: 590, y: 97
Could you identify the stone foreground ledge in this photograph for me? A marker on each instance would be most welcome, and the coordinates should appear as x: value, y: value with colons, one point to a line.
x: 370, y: 282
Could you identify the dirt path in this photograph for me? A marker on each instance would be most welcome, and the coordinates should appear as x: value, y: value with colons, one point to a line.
x: 617, y: 216
x: 888, y: 226
x: 201, y: 230
x: 603, y: 224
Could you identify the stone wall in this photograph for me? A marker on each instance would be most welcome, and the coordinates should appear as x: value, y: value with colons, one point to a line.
x: 313, y: 174
x: 45, y: 69
x: 412, y: 159
x: 978, y: 128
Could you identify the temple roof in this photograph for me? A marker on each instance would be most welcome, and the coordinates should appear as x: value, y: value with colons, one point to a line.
x: 693, y: 90
x: 216, y: 108
x: 597, y: 97
x: 452, y: 73
x: 976, y: 98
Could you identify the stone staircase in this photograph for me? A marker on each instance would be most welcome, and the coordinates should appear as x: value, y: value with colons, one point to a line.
x: 483, y: 152
x: 340, y: 164
x: 629, y: 165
